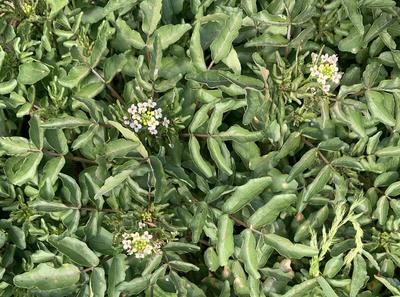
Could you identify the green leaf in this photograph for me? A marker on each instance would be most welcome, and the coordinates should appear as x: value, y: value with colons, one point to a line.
x: 76, y: 250
x: 100, y: 45
x: 150, y: 11
x: 245, y: 194
x: 318, y: 183
x: 169, y: 34
x: 222, y: 44
x: 65, y: 122
x: 225, y: 243
x: 351, y: 7
x: 35, y: 132
x: 388, y: 284
x: 135, y: 286
x: 239, y: 134
x: 161, y: 183
x: 22, y: 169
x: 56, y: 6
x: 15, y: 145
x: 32, y: 72
x: 130, y: 135
x: 378, y: 26
x: 155, y: 58
x: 248, y: 252
x: 119, y: 148
x: 116, y: 275
x: 7, y: 87
x: 45, y: 277
x: 45, y: 206
x: 393, y: 189
x: 17, y: 236
x: 286, y: 248
x: 71, y: 190
x: 112, y: 182
x: 271, y: 210
x: 75, y: 76
x: 377, y: 108
x: 359, y: 276
x: 268, y: 40
x: 130, y: 36
x: 114, y: 5
x: 201, y: 163
x: 214, y: 147
x: 98, y: 282
x: 196, y: 51
x: 326, y: 287
x: 181, y: 247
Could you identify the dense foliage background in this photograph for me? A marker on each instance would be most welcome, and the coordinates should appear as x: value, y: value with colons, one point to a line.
x: 199, y: 148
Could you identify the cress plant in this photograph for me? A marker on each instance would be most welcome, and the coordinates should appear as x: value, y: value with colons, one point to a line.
x: 199, y: 148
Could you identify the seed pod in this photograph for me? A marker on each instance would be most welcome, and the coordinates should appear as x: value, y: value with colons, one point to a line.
x: 333, y: 266
x: 245, y: 193
x: 225, y: 244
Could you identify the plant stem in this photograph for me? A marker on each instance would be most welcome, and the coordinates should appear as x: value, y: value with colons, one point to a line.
x: 109, y: 87
x: 72, y: 158
x: 321, y: 156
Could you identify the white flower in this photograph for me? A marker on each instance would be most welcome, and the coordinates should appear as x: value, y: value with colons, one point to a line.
x: 325, y: 71
x: 133, y: 109
x: 145, y: 114
x: 151, y: 103
x: 158, y: 113
x: 146, y: 235
x: 326, y: 88
x: 140, y: 245
x: 314, y: 57
x: 141, y: 225
x: 152, y: 130
x: 165, y: 122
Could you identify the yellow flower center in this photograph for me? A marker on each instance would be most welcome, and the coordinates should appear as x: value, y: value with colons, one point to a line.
x: 326, y: 69
x: 139, y: 245
x: 146, y: 117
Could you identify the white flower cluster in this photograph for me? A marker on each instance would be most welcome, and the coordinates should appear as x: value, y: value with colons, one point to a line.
x: 325, y: 70
x: 140, y: 245
x: 146, y: 114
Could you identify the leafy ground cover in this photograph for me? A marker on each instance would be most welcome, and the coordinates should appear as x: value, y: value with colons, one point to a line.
x: 199, y: 148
